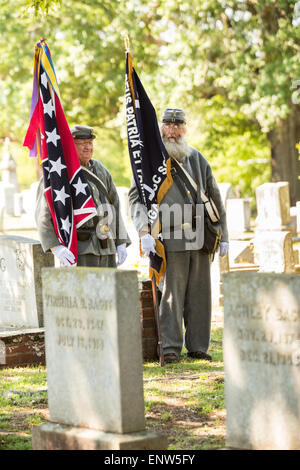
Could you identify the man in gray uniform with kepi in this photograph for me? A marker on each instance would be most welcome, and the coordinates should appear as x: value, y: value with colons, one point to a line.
x: 98, y: 242
x: 186, y: 289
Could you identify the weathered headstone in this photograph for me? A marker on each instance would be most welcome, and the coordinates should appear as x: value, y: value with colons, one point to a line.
x: 94, y: 362
x: 273, y: 206
x: 9, y: 167
x: 7, y: 192
x: 238, y: 215
x: 274, y: 252
x: 29, y: 198
x: 272, y: 242
x: 293, y: 223
x: 21, y: 260
x: 9, y: 183
x: 262, y: 360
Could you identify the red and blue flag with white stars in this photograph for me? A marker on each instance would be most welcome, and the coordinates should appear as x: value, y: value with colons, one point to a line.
x: 48, y: 136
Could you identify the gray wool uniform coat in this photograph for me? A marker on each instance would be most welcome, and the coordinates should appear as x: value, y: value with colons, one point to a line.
x: 186, y: 288
x: 90, y: 252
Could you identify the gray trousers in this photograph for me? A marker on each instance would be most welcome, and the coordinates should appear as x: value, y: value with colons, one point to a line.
x: 186, y: 295
x: 106, y: 261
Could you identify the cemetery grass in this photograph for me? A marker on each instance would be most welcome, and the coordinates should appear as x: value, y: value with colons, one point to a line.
x: 183, y: 401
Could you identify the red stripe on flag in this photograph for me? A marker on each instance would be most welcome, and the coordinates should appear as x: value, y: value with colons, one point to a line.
x: 67, y: 142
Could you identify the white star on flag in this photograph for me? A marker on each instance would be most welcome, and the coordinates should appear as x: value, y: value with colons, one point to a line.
x: 49, y: 108
x: 44, y: 80
x: 61, y: 195
x: 66, y: 224
x: 52, y: 137
x: 80, y: 187
x: 57, y: 166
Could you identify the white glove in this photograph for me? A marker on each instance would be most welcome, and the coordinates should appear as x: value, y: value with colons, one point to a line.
x: 224, y: 247
x: 64, y: 255
x: 148, y: 244
x: 122, y: 254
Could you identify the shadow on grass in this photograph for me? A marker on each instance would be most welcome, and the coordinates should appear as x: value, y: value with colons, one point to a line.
x: 186, y: 429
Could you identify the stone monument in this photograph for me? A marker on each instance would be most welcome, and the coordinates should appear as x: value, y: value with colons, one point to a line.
x: 94, y: 362
x: 21, y: 261
x: 9, y: 183
x: 262, y: 360
x: 238, y: 216
x: 273, y: 248
x: 8, y: 167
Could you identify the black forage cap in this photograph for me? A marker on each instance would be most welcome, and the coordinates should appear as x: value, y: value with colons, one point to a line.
x: 174, y: 115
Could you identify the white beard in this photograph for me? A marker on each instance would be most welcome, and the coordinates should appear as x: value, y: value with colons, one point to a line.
x: 179, y: 149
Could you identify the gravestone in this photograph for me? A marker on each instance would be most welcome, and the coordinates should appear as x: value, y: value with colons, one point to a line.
x: 9, y: 183
x: 273, y: 242
x: 262, y: 360
x: 9, y: 168
x: 29, y: 198
x: 274, y: 252
x: 238, y: 215
x: 94, y: 362
x: 293, y: 224
x: 21, y: 261
x: 7, y: 193
x: 273, y: 206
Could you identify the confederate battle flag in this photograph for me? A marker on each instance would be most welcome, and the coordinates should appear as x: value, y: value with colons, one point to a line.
x: 49, y: 137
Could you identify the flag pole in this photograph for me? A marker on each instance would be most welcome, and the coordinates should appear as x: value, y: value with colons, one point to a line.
x: 154, y: 288
x: 126, y: 42
x: 159, y: 340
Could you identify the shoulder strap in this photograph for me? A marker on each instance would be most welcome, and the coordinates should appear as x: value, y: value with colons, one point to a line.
x: 100, y: 185
x: 184, y: 177
x: 209, y: 205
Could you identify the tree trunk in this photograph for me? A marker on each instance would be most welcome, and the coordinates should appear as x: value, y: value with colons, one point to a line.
x: 284, y: 154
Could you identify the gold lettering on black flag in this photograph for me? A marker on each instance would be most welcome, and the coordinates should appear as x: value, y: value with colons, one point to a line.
x: 150, y: 162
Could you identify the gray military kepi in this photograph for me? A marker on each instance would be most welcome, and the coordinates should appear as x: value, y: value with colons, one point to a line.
x: 174, y: 115
x: 82, y: 132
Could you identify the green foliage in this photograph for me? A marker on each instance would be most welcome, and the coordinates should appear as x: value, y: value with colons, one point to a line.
x: 238, y: 152
x: 112, y: 152
x: 230, y: 64
x: 42, y: 6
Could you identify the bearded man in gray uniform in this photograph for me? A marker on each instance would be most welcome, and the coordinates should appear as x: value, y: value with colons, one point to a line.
x: 95, y: 247
x: 186, y: 288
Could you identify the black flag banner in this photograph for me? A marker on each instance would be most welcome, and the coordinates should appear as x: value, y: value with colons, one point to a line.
x: 150, y: 162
